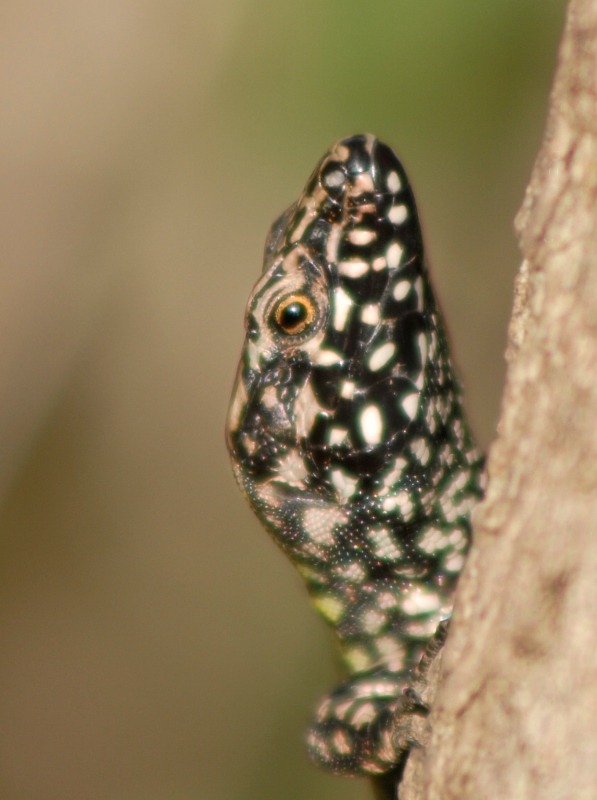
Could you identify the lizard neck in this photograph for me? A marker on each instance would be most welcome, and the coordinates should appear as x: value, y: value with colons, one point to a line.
x: 381, y: 564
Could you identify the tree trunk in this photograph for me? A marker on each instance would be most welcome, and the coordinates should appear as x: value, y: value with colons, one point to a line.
x: 516, y: 711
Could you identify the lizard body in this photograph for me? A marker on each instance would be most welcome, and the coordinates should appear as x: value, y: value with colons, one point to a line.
x: 347, y: 436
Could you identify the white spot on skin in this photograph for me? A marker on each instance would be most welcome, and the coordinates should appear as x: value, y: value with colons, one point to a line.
x: 323, y: 709
x: 292, y: 468
x: 357, y: 659
x: 450, y: 512
x: 269, y: 494
x: 361, y: 236
x: 401, y: 289
x: 362, y: 183
x: 389, y: 503
x: 394, y: 658
x: 372, y: 767
x: 353, y: 269
x: 351, y: 572
x: 371, y: 424
x: 330, y: 607
x: 387, y: 749
x: 311, y: 206
x: 421, y: 451
x: 332, y: 243
x: 363, y: 715
x: 380, y: 357
x: 370, y: 314
x: 422, y: 342
x: 384, y: 546
x: 388, y: 600
x: 379, y: 263
x: 432, y: 540
x: 345, y: 485
x: 373, y: 621
x: 402, y: 502
x: 454, y: 563
x: 306, y: 408
x: 342, y: 304
x: 337, y: 435
x: 379, y: 688
x: 457, y: 483
x: 431, y: 420
x: 466, y: 504
x: 319, y: 523
x: 396, y: 471
x: 434, y: 343
x: 393, y: 182
x: 445, y: 455
x: 312, y: 549
x: 457, y: 539
x: 335, y: 178
x: 341, y: 743
x: 393, y: 255
x: 249, y: 443
x: 397, y: 214
x: 410, y: 404
x: 316, y: 744
x: 347, y: 391
x: 341, y: 709
x: 254, y: 353
x: 269, y: 397
x: 327, y: 358
x: 422, y: 629
x: 420, y: 601
x: 310, y: 574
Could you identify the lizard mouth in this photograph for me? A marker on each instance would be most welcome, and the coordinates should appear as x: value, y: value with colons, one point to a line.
x: 259, y: 430
x: 262, y: 425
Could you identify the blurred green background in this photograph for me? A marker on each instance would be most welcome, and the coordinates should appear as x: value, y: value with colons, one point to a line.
x: 154, y: 645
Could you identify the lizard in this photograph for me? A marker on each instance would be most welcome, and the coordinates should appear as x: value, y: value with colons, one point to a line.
x: 347, y: 436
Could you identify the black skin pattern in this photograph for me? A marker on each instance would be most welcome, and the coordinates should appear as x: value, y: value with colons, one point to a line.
x: 347, y: 436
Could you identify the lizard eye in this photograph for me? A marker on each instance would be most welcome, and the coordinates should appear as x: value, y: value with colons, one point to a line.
x: 294, y: 314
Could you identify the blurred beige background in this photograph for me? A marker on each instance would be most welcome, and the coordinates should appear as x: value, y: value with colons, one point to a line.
x: 154, y: 643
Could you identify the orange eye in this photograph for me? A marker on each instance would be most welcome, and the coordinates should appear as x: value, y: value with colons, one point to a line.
x: 294, y: 314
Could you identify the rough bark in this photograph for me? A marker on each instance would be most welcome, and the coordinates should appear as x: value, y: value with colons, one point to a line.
x: 516, y: 712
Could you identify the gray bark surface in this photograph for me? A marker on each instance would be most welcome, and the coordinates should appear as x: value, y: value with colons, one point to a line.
x: 516, y: 711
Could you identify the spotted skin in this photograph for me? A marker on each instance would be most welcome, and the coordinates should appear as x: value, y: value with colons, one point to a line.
x: 347, y: 436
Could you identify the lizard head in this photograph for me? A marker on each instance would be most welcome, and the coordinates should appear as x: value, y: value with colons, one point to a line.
x: 345, y: 361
